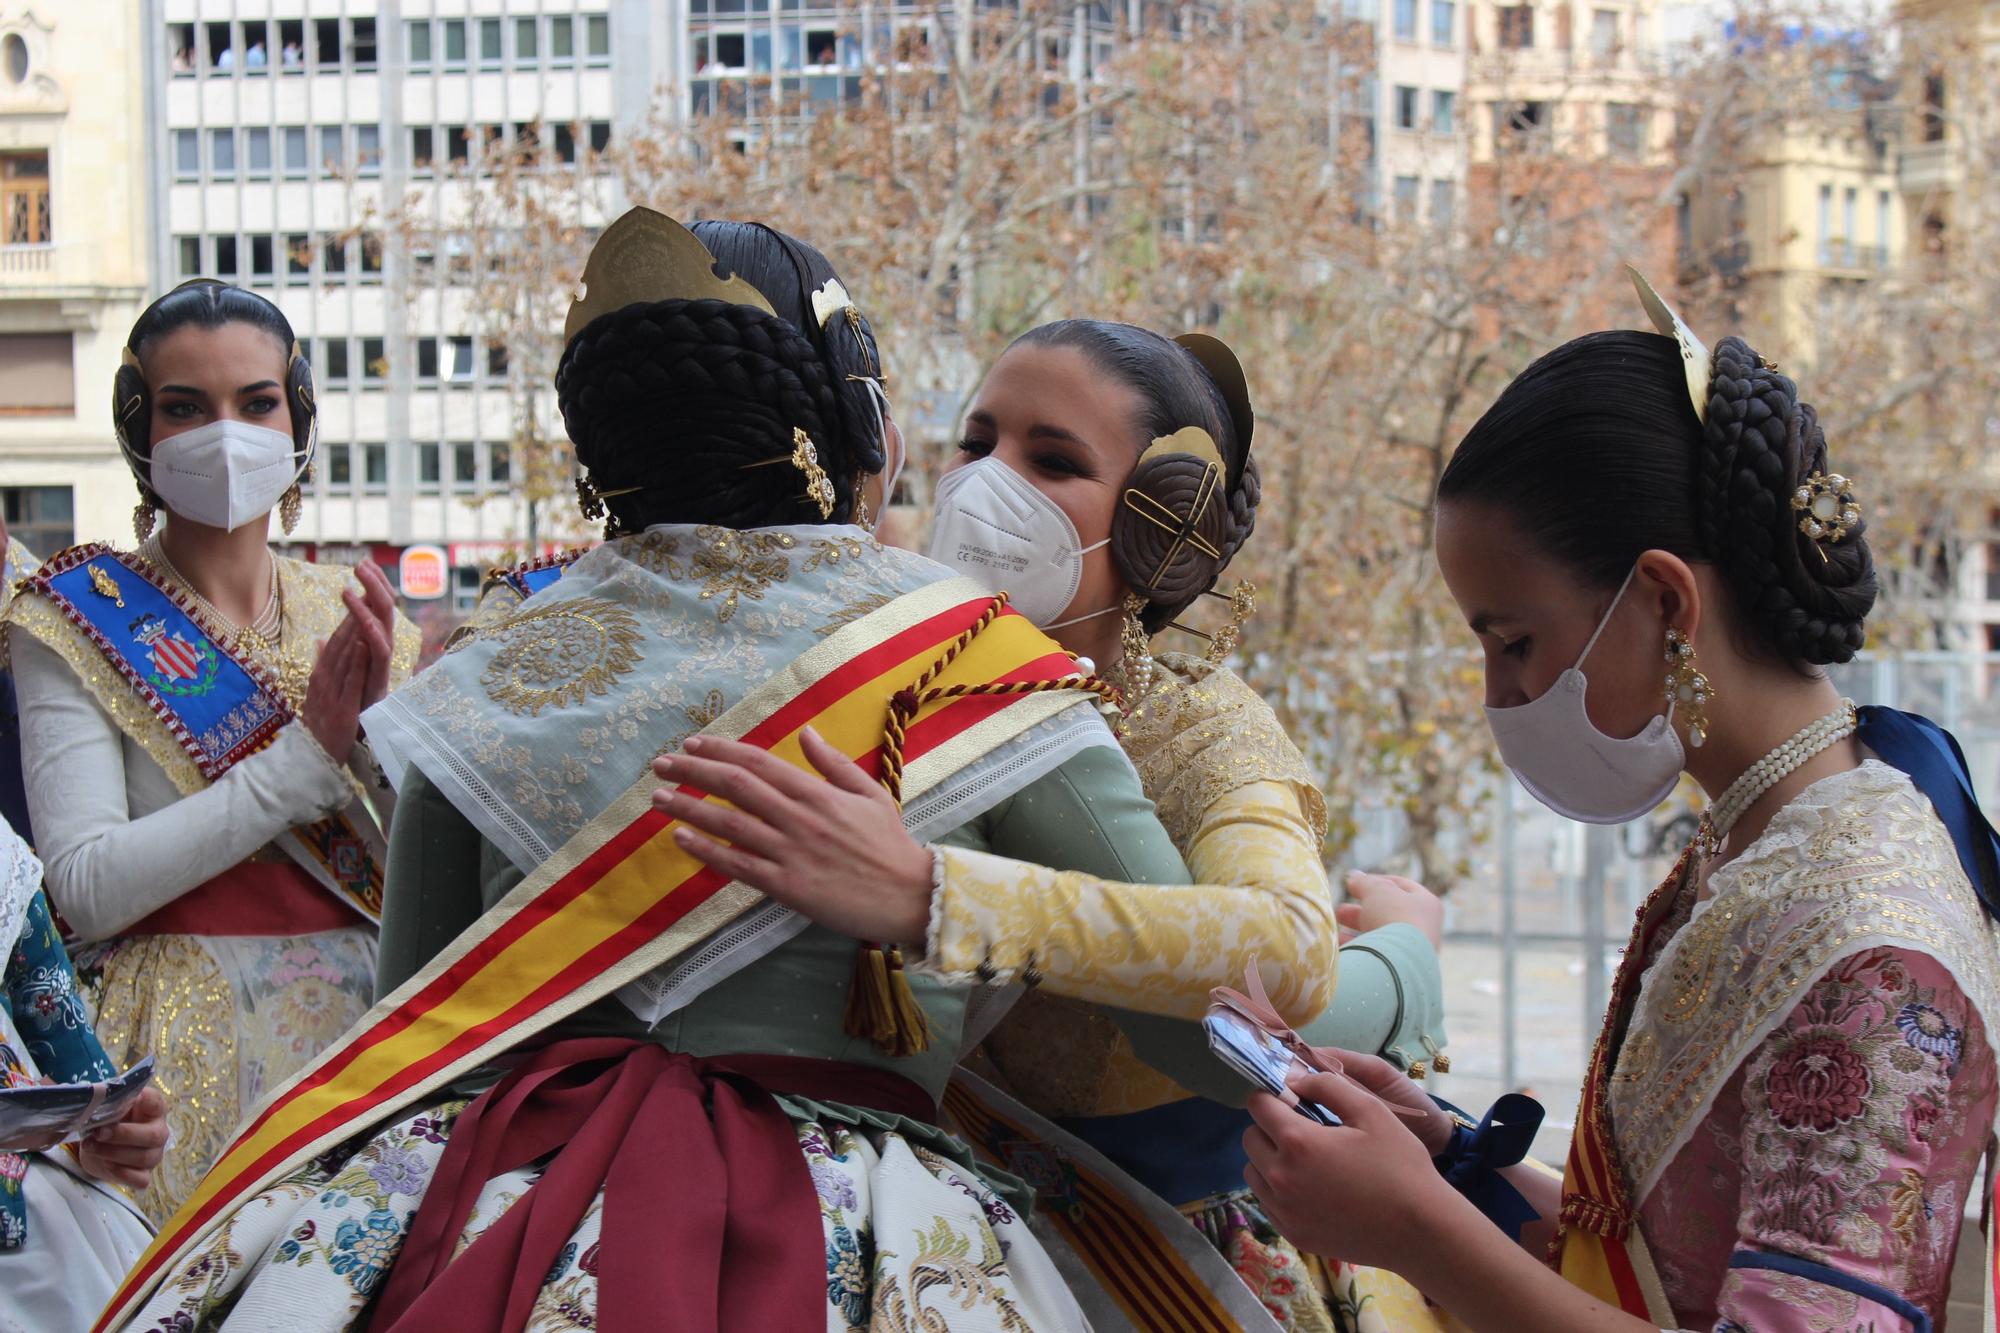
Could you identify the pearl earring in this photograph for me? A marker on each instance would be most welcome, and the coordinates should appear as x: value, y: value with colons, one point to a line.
x: 1688, y: 690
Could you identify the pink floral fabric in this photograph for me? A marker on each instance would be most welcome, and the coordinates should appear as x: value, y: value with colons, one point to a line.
x: 1851, y: 1138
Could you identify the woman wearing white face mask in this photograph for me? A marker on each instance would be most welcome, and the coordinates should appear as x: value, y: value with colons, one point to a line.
x: 1784, y: 1115
x: 1105, y: 480
x: 190, y: 737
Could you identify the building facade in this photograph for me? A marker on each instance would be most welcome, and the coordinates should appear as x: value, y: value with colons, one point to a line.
x: 74, y: 268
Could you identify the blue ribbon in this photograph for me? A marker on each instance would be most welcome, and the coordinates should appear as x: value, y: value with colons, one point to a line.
x: 1930, y: 756
x: 1472, y: 1161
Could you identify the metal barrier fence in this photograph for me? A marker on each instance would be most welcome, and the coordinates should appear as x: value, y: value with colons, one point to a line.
x: 1532, y: 936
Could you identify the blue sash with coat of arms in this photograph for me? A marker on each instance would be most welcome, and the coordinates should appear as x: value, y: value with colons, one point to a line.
x: 218, y: 706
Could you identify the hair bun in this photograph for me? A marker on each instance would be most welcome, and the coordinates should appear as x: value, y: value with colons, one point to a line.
x: 1807, y: 600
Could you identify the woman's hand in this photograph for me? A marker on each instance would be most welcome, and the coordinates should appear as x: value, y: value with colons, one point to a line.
x: 1364, y: 1191
x: 1374, y: 901
x: 831, y: 849
x: 126, y: 1151
x: 375, y: 616
x: 332, y: 709
x: 1432, y: 1124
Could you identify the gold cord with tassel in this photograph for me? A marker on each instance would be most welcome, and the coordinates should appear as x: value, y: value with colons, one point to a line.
x: 881, y: 1005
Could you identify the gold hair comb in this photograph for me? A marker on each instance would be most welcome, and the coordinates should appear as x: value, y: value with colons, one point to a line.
x: 646, y: 256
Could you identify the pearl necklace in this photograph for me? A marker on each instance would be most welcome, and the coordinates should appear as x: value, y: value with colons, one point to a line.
x: 263, y: 632
x: 1768, y: 772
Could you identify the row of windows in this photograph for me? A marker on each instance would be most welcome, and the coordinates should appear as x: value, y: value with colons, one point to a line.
x: 1517, y: 30
x: 299, y: 152
x: 525, y: 42
x: 1627, y: 125
x: 325, y: 45
x: 293, y: 258
x: 1443, y: 110
x: 342, y: 362
x: 1408, y: 191
x: 344, y: 469
x: 1843, y: 248
x: 1444, y: 21
x: 332, y: 44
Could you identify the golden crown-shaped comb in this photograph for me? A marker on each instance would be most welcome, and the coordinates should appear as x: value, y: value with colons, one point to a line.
x: 646, y: 256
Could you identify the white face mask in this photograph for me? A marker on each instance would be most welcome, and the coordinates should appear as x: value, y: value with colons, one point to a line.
x: 226, y: 473
x: 1576, y: 770
x: 992, y: 525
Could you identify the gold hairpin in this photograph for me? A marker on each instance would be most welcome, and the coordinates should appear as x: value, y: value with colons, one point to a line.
x: 1828, y: 510
x: 591, y: 500
x: 645, y: 257
x: 805, y: 457
x: 832, y: 300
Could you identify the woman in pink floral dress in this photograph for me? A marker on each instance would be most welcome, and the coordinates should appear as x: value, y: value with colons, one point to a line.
x: 1784, y: 1116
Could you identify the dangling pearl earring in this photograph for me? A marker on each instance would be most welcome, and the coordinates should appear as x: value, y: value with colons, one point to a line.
x: 143, y: 515
x: 1688, y: 691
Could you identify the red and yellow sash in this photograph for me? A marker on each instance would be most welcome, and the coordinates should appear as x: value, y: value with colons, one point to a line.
x: 621, y: 898
x: 1598, y: 1246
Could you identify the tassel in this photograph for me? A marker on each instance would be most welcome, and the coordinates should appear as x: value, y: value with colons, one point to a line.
x: 882, y: 1007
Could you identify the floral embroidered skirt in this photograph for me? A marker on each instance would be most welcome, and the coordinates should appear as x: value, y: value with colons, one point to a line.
x: 227, y: 1018
x: 914, y: 1238
x: 1303, y: 1293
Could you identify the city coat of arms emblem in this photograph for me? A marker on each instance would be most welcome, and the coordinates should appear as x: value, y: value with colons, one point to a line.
x: 179, y: 667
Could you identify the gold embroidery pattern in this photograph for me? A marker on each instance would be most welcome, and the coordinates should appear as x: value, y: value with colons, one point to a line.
x: 704, y: 713
x: 558, y: 655
x: 854, y: 611
x: 829, y: 550
x: 741, y: 564
x: 1859, y: 860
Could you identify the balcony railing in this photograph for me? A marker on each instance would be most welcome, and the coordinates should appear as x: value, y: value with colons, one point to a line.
x: 27, y: 260
x: 1847, y: 255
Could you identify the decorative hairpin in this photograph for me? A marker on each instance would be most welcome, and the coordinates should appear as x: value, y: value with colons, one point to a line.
x: 1198, y: 443
x: 1697, y: 362
x: 1827, y: 508
x: 591, y: 500
x: 805, y: 457
x: 832, y: 300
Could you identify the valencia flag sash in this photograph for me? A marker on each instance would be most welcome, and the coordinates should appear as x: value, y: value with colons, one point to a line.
x: 1598, y: 1246
x: 622, y: 897
x: 219, y: 706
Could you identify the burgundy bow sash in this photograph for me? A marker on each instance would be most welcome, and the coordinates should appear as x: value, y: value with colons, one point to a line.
x: 711, y: 1220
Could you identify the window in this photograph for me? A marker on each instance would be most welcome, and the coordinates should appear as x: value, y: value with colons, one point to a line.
x: 1850, y: 202
x: 180, y: 41
x: 1625, y: 129
x: 597, y: 39
x: 1517, y: 27
x: 427, y: 467
x: 454, y: 43
x: 499, y: 467
x: 364, y: 43
x: 464, y: 465
x: 368, y: 149
x: 1406, y: 20
x: 427, y: 358
x: 326, y: 43
x: 339, y: 467
x: 187, y: 249
x: 225, y: 256
x: 496, y: 361
x: 1406, y: 197
x: 1518, y: 120
x: 332, y: 150
x: 333, y: 361
x: 562, y: 40
x: 459, y: 366
x: 565, y: 143
x: 292, y: 45
x: 375, y: 468
x: 1934, y: 107
x: 257, y: 153
x: 1444, y: 22
x: 458, y: 143
x: 263, y: 258
x: 417, y: 43
x: 1444, y: 112
x: 1443, y: 198
x: 1825, y: 222
x: 298, y: 259
x: 43, y: 517
x: 1882, y: 217
x: 37, y: 378
x: 333, y: 256
x: 374, y: 361
x: 1604, y: 33
x: 489, y: 43
x: 221, y: 47
x: 256, y: 55
x: 296, y: 161
x: 527, y: 41
x: 24, y: 199
x: 371, y: 257
x: 466, y: 580
x: 600, y: 135
x: 187, y: 155
x: 1406, y: 107
x: 222, y: 154
x: 423, y: 149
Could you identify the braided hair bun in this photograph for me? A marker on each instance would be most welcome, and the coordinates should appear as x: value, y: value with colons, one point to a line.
x: 694, y: 402
x: 1808, y: 600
